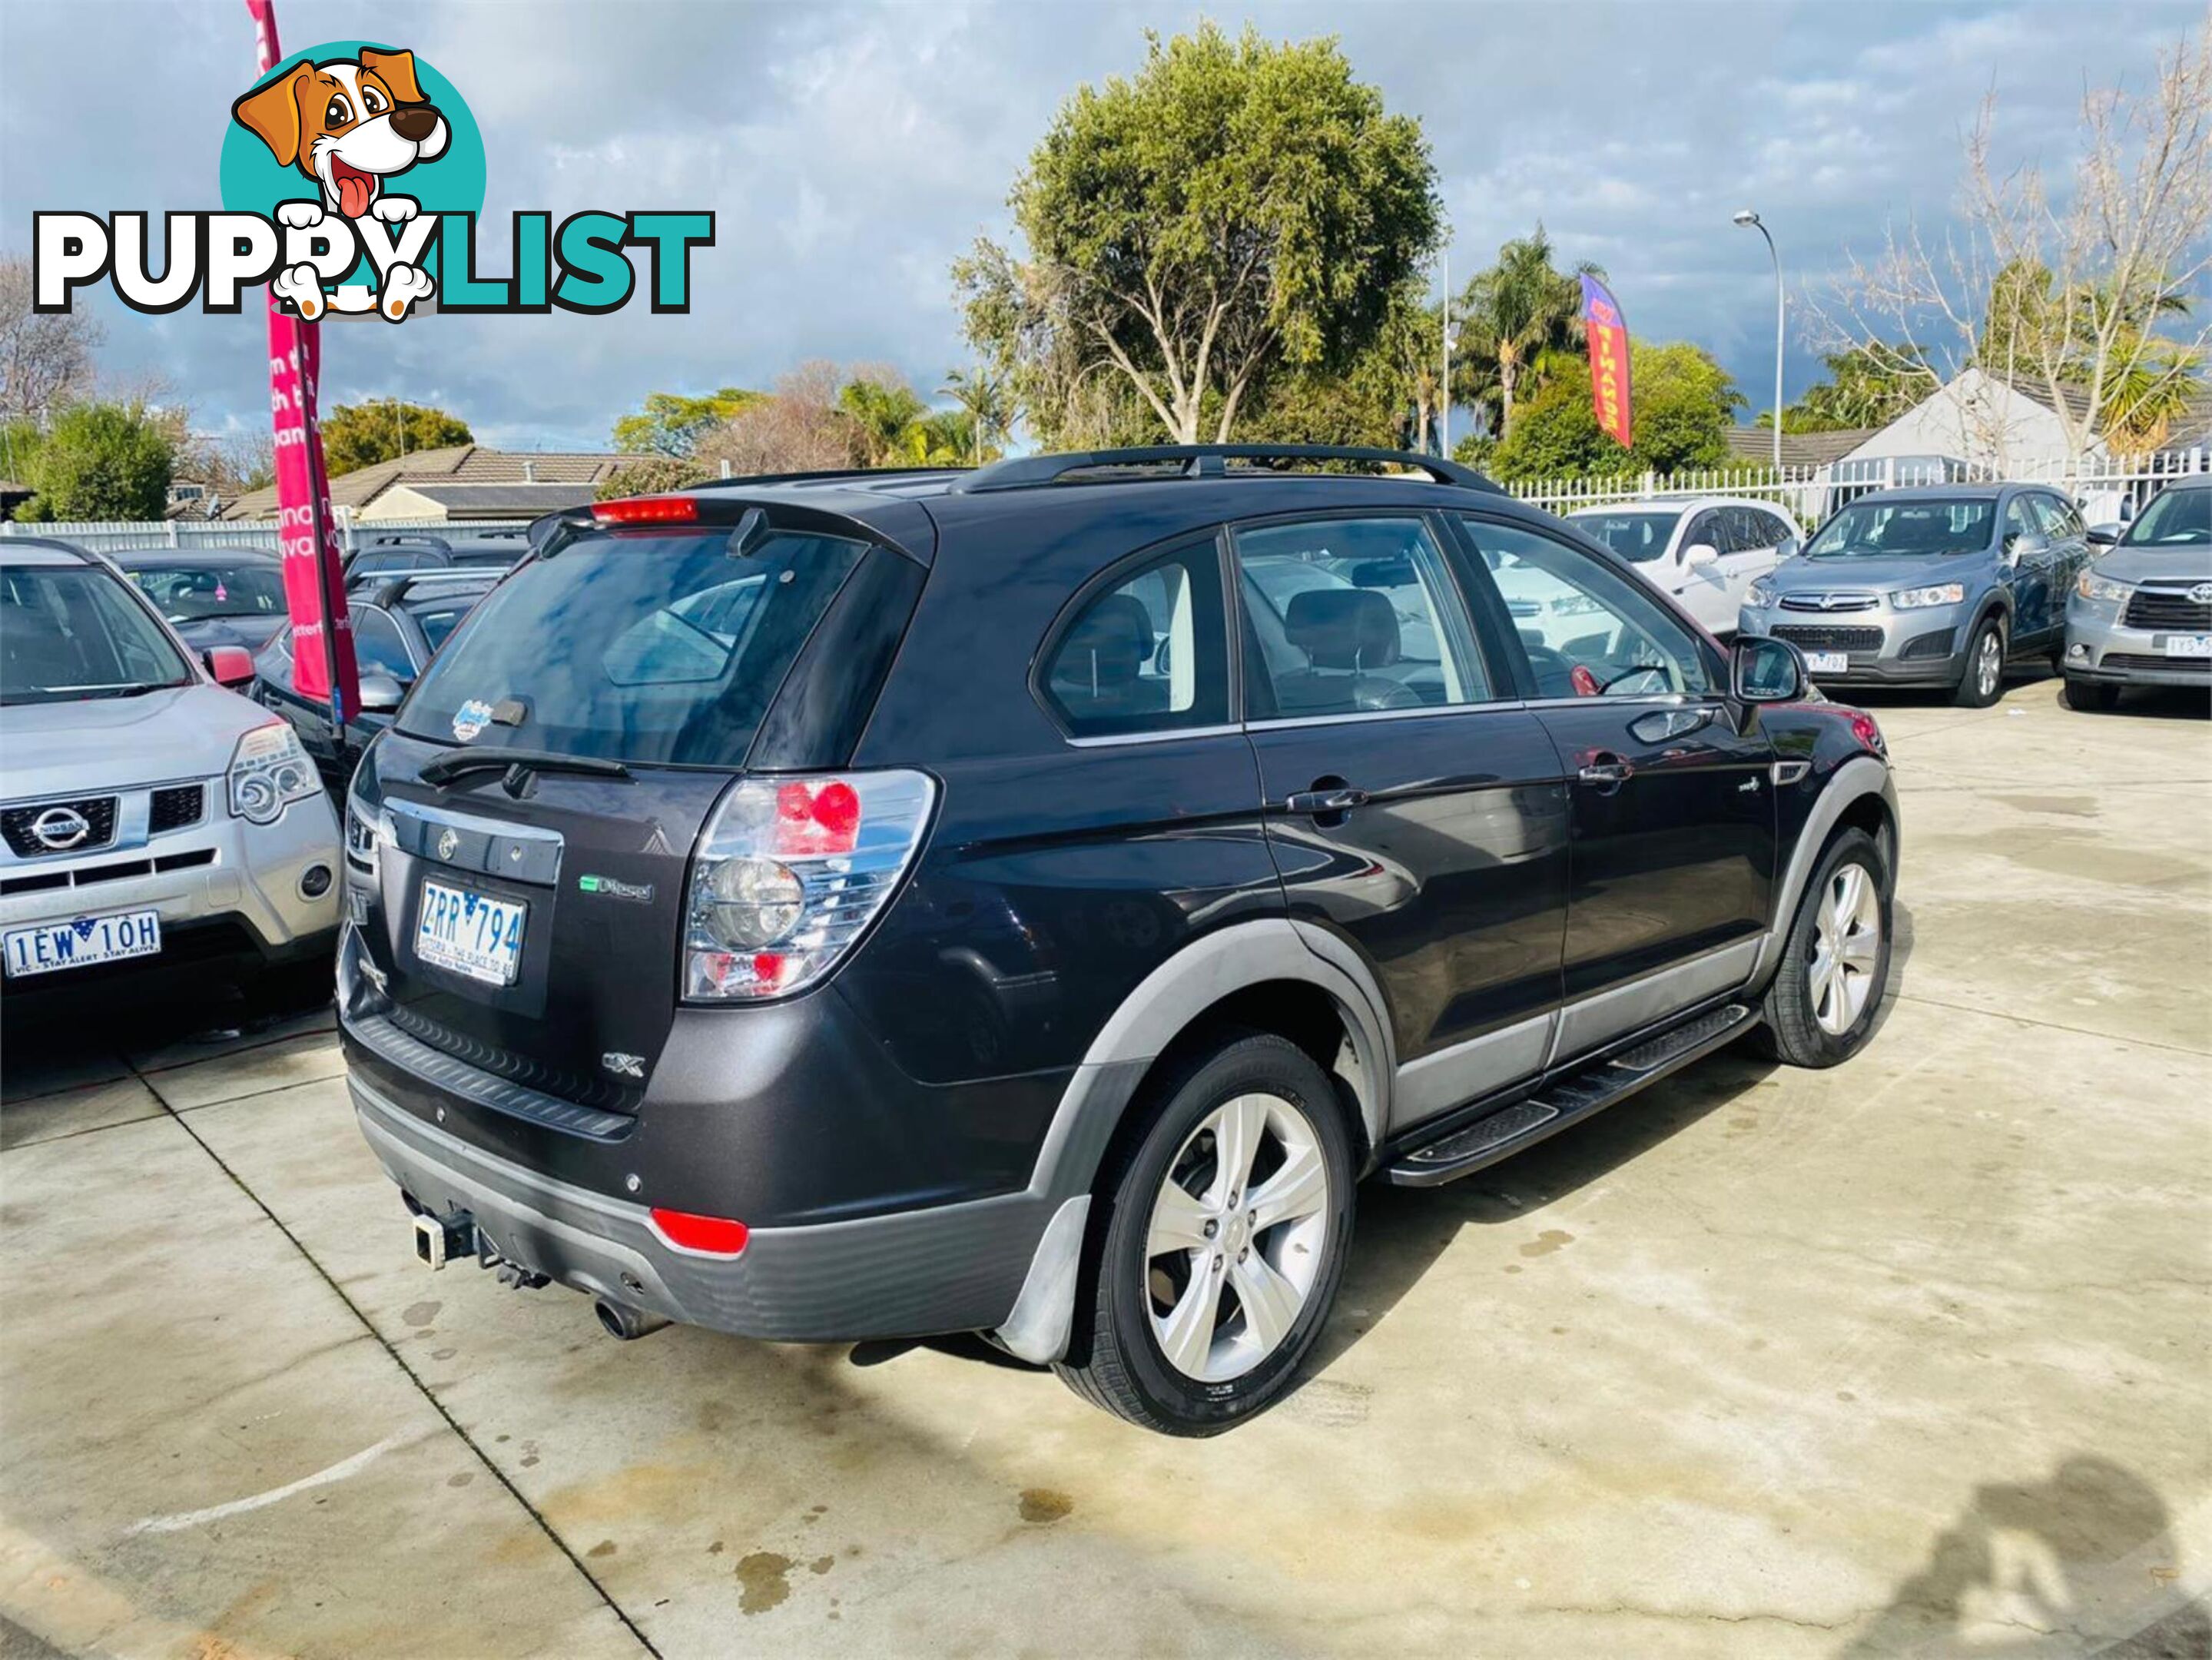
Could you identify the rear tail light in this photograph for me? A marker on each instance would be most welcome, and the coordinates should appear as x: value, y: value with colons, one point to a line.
x: 790, y: 872
x: 1867, y: 732
x: 647, y: 510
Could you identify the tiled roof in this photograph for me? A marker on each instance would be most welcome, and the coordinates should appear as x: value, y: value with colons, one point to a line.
x: 470, y: 463
x: 1799, y: 449
x: 502, y: 500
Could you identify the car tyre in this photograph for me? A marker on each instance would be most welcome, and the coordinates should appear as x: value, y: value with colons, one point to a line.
x: 1158, y: 1341
x: 1821, y: 1006
x: 2091, y: 697
x: 1982, y: 681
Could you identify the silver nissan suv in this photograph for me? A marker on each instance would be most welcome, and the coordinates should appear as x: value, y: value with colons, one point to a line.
x: 149, y: 819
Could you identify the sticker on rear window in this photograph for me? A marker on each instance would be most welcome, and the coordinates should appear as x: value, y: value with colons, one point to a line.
x: 471, y: 718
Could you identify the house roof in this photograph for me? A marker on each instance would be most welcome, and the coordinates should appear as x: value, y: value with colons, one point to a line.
x: 458, y: 464
x: 1799, y: 449
x: 2192, y: 425
x: 517, y: 501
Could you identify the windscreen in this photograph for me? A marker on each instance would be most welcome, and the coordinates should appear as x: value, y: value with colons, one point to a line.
x: 1638, y: 536
x: 1868, y: 530
x: 73, y: 632
x: 2178, y: 518
x: 192, y: 594
x: 632, y: 645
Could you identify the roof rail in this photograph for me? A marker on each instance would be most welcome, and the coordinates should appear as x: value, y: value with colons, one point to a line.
x: 826, y: 474
x: 388, y: 587
x: 1205, y: 461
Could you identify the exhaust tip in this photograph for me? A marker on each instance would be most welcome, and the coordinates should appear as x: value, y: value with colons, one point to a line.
x: 623, y: 1323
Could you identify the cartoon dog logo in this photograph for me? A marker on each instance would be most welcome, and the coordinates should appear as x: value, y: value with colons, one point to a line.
x: 349, y: 124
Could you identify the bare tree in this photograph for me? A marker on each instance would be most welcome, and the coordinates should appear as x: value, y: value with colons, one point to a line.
x: 45, y: 360
x: 2085, y: 296
x: 799, y: 428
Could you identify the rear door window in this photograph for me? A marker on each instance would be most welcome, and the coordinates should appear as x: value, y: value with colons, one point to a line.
x: 1147, y: 652
x: 631, y: 646
x: 378, y: 646
x: 1351, y: 615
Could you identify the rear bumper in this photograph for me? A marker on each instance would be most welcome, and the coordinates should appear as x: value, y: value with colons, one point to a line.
x: 904, y: 1273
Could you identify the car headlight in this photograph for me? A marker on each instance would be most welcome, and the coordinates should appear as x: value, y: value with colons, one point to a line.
x: 1760, y: 595
x: 2090, y: 586
x: 1942, y: 593
x: 268, y: 771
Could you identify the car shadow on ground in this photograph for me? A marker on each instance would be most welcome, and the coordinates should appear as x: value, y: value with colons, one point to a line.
x: 2087, y: 1555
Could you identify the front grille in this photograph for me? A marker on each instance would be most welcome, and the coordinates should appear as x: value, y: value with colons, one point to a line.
x: 98, y: 811
x: 2144, y: 660
x: 114, y: 873
x: 1829, y: 602
x: 579, y: 1089
x: 1937, y: 644
x: 176, y: 806
x: 2168, y: 608
x: 1811, y: 638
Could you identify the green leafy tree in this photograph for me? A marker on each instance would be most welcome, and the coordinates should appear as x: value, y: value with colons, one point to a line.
x: 671, y: 424
x: 986, y: 399
x: 1868, y: 385
x: 358, y: 435
x: 102, y: 461
x: 652, y: 475
x: 1236, y: 210
x: 883, y: 407
x: 1684, y: 403
x: 1519, y: 320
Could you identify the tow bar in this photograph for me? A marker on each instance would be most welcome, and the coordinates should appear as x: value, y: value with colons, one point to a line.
x: 456, y: 1238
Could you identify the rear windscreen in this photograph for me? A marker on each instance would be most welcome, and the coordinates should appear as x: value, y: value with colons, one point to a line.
x: 650, y: 646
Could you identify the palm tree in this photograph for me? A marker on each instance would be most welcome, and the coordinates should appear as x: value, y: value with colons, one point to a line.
x: 1513, y: 318
x: 984, y: 397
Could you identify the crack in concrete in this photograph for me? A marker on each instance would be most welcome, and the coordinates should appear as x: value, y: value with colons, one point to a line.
x: 407, y: 1370
x: 2053, y: 1025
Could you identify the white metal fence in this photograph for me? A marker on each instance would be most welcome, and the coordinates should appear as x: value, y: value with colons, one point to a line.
x: 115, y: 535
x: 2108, y: 490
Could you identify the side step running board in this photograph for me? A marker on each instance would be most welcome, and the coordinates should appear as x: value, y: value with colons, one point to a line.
x: 1564, y: 1101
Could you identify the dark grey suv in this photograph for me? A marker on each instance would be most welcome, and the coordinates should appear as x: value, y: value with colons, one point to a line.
x: 1941, y: 587
x: 889, y: 904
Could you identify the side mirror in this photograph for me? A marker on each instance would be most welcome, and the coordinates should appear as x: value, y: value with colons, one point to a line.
x: 1700, y: 554
x: 1762, y: 670
x: 381, y: 693
x: 2105, y: 536
x: 231, y: 666
x: 1786, y: 550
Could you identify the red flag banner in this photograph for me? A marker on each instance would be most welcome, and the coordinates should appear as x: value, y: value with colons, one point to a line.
x: 314, y: 580
x: 1608, y: 355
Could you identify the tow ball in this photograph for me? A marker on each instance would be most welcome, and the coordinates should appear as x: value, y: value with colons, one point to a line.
x: 455, y: 1238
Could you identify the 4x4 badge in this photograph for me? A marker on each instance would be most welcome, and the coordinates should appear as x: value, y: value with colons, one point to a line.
x: 623, y: 1065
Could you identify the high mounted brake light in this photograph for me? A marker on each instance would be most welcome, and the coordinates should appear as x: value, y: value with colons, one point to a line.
x: 647, y: 510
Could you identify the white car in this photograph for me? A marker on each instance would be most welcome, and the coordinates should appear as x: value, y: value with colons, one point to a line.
x: 1704, y: 552
x: 149, y: 819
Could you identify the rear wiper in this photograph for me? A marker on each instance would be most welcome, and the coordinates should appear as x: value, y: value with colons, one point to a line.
x: 520, y: 766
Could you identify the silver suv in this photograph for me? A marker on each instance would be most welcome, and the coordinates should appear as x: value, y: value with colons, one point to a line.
x: 1929, y: 588
x: 149, y: 819
x: 2141, y: 615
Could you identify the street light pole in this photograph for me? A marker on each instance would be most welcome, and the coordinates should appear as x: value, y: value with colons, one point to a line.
x: 1443, y: 392
x: 1747, y: 217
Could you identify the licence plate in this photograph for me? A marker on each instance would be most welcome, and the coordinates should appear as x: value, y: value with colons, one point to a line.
x: 81, y: 943
x: 1828, y: 662
x: 469, y: 933
x: 2189, y: 645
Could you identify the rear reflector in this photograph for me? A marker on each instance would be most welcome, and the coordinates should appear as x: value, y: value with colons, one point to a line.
x: 708, y: 1235
x: 647, y: 510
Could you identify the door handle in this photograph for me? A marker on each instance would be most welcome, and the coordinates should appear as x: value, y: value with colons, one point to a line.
x: 1342, y: 800
x: 1605, y: 772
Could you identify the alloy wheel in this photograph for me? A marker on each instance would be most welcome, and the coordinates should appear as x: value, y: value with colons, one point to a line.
x: 1236, y: 1240
x: 1989, y: 663
x: 1846, y: 949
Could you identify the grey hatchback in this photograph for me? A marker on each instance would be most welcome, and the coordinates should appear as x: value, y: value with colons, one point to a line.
x: 1929, y: 588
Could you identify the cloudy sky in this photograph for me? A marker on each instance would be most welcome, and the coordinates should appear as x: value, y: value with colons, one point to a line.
x: 850, y: 151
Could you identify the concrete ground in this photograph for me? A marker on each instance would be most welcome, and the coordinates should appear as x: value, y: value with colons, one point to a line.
x: 1911, y: 1357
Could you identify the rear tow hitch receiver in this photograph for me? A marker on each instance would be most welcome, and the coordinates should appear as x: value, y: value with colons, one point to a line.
x: 442, y: 1239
